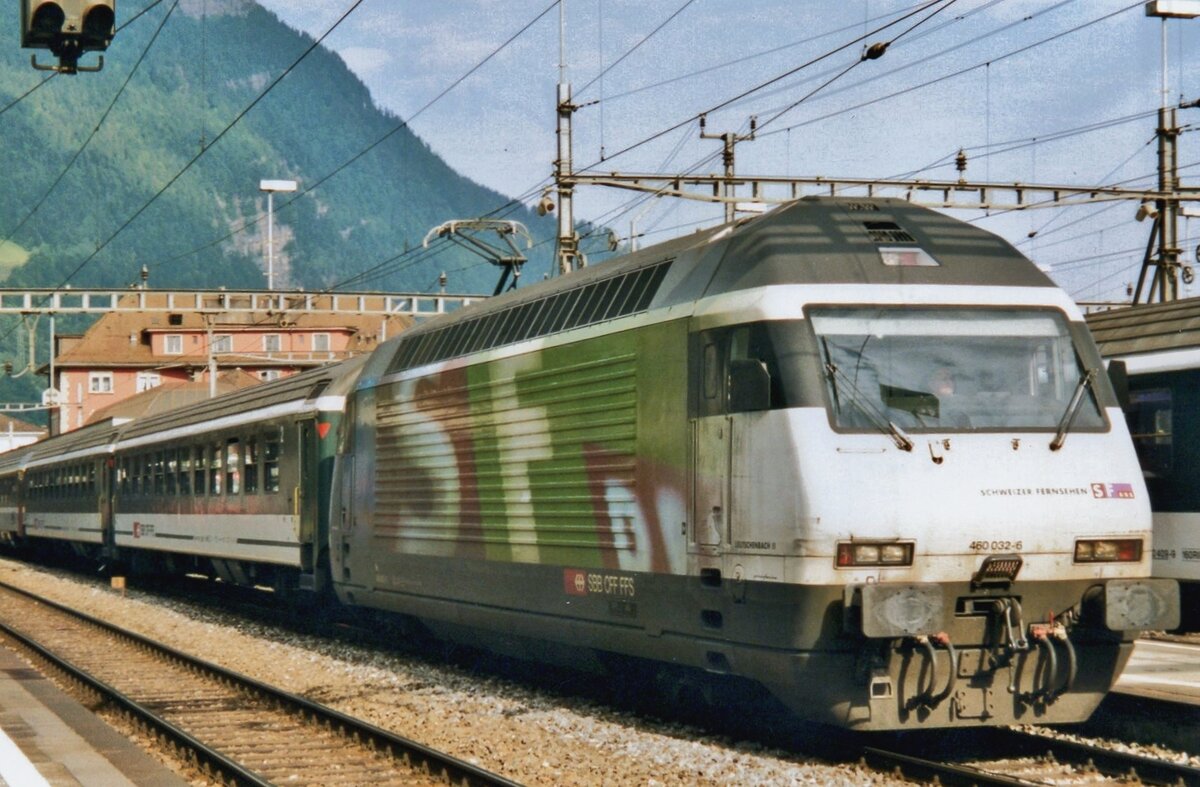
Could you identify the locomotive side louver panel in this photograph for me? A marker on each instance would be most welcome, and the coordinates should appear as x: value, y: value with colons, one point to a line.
x: 596, y: 302
x: 512, y: 459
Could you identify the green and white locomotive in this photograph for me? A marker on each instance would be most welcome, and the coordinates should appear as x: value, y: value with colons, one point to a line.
x: 852, y: 450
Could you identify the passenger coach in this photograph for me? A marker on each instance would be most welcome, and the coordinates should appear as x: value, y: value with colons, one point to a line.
x: 1159, y: 345
x: 234, y: 487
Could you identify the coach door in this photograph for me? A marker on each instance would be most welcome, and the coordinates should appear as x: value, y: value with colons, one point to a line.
x: 105, y: 470
x: 307, y: 501
x: 341, y: 508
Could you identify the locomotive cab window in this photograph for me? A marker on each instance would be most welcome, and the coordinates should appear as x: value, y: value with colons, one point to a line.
x: 951, y: 369
x: 747, y: 368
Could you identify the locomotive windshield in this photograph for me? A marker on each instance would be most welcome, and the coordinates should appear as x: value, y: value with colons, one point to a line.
x: 950, y: 369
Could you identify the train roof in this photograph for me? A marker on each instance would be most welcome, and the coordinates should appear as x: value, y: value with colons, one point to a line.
x: 324, y: 383
x: 90, y: 439
x: 332, y: 380
x: 815, y: 240
x: 1147, y: 329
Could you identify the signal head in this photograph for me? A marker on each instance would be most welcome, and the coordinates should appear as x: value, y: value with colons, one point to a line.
x: 68, y: 27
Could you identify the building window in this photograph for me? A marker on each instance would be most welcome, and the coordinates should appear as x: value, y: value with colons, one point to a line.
x: 148, y: 380
x: 222, y: 343
x: 269, y: 374
x: 271, y: 343
x: 100, y: 382
x: 173, y: 344
x: 320, y: 342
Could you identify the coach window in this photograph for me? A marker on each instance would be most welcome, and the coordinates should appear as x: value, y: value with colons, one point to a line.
x: 1150, y: 416
x: 159, y: 473
x: 215, y: 462
x: 251, y: 475
x: 199, y: 470
x: 170, y: 471
x: 185, y: 470
x: 233, y: 473
x: 272, y: 449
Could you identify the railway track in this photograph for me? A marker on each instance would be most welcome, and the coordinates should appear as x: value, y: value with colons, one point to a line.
x: 1017, y: 757
x: 234, y: 729
x: 979, y: 757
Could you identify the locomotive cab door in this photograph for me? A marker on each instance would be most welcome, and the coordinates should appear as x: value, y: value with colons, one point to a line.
x: 731, y: 394
x: 711, y: 440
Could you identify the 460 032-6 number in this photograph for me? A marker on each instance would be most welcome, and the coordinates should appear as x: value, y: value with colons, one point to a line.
x: 996, y: 546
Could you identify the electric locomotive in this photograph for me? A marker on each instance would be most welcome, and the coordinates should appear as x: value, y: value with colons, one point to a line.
x: 854, y: 450
x: 1157, y: 345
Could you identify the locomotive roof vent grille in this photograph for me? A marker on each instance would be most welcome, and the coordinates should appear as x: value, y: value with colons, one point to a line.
x: 617, y: 296
x: 317, y: 390
x: 887, y: 232
x: 862, y: 206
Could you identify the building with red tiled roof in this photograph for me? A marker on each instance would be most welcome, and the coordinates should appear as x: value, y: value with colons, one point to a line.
x: 127, y: 352
x: 172, y: 395
x: 15, y: 433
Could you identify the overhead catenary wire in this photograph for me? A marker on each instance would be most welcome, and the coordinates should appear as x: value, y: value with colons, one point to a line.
x: 955, y: 74
x: 309, y: 188
x: 746, y: 58
x: 857, y: 40
x: 262, y: 94
x: 634, y: 48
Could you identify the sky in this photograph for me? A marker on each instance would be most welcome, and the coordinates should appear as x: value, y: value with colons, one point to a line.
x: 1047, y: 91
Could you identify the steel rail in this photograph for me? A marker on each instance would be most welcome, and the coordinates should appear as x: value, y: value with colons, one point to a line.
x: 935, y: 771
x: 1107, y: 761
x: 412, y: 753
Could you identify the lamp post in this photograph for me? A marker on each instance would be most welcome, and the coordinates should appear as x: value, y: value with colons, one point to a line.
x: 272, y: 186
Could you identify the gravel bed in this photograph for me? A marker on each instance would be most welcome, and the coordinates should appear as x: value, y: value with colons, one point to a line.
x: 495, y: 724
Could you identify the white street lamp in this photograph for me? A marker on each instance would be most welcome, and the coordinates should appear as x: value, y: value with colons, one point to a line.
x: 272, y: 186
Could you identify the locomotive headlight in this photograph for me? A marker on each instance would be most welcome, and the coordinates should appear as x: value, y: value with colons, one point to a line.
x: 851, y: 554
x: 1114, y: 550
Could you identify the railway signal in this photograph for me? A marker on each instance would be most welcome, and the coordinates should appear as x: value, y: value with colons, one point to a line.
x: 68, y: 28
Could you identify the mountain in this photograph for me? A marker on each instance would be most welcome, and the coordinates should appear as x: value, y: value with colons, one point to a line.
x: 212, y: 60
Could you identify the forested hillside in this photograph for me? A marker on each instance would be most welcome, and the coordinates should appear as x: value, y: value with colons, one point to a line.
x: 212, y: 59
x: 210, y: 62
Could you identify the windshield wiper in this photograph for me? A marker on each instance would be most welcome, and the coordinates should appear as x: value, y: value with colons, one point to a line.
x: 1073, y: 407
x: 859, y: 400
